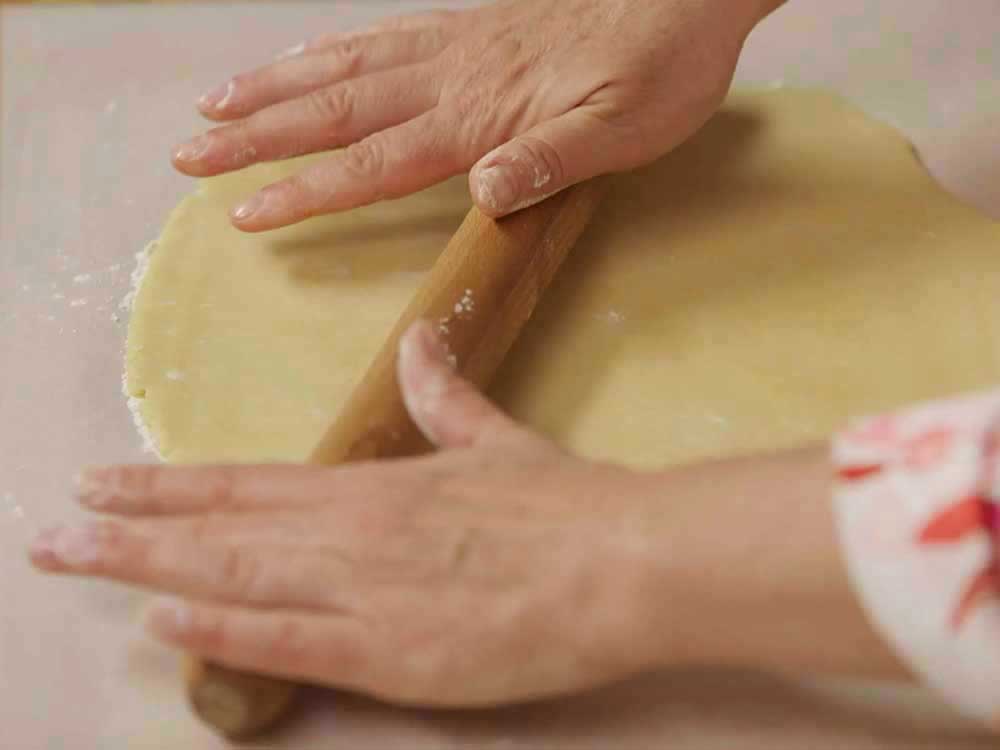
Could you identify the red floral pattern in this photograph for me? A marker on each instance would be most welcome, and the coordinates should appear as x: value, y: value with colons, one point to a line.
x: 918, y: 510
x: 969, y: 516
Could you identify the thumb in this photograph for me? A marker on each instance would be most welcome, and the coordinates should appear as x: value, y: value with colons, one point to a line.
x: 548, y: 158
x: 449, y: 411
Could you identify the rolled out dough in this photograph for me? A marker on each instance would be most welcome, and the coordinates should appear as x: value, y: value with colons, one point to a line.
x: 791, y: 267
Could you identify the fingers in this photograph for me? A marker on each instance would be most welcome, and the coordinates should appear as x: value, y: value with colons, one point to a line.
x: 319, y: 648
x: 323, y: 119
x: 389, y: 164
x: 185, y: 558
x: 425, y: 19
x: 419, y: 20
x: 546, y: 159
x: 156, y: 490
x: 348, y: 58
x: 441, y: 20
x: 449, y: 411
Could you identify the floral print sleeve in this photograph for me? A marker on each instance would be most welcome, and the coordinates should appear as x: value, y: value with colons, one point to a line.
x: 918, y: 517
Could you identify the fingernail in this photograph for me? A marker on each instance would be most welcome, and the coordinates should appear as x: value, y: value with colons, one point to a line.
x: 419, y: 348
x: 72, y: 546
x: 424, y: 384
x: 498, y: 188
x: 295, y: 51
x: 192, y: 150
x: 169, y: 616
x: 218, y: 98
x: 248, y: 208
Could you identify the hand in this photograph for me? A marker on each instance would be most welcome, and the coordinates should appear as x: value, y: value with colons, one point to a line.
x: 498, y: 569
x: 532, y: 95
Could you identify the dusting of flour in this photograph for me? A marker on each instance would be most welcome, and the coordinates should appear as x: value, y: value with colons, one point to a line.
x: 138, y: 274
x: 142, y: 259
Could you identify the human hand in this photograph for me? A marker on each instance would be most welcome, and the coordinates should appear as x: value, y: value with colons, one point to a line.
x: 531, y: 95
x: 498, y: 569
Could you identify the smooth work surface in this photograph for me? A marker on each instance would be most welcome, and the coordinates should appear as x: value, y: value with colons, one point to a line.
x: 91, y: 99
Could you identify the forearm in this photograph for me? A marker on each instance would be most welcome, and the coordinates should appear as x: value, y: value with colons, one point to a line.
x: 754, y: 571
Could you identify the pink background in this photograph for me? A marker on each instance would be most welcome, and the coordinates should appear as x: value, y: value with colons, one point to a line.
x: 91, y: 100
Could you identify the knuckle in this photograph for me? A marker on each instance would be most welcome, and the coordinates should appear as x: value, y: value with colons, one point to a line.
x: 304, y: 194
x: 222, y: 137
x: 479, y: 122
x: 203, y: 531
x: 464, y: 105
x: 290, y: 191
x: 333, y: 104
x: 239, y: 572
x: 233, y: 144
x: 364, y: 159
x: 349, y: 54
x: 103, y: 549
x: 137, y: 481
x: 543, y: 163
x: 222, y: 486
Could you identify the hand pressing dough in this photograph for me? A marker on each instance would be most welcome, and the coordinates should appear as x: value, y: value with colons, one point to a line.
x: 791, y: 267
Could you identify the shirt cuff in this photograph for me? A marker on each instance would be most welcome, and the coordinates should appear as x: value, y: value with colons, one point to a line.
x: 916, y: 504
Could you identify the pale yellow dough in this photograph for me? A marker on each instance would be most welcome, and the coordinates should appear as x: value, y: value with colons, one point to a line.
x: 790, y: 268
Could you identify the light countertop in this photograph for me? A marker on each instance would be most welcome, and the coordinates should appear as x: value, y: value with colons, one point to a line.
x: 91, y: 99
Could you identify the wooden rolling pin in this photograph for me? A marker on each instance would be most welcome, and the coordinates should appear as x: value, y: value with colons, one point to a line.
x: 480, y: 293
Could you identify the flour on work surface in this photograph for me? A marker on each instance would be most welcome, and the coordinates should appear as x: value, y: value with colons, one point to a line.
x: 138, y: 274
x: 11, y: 506
x: 135, y: 409
x: 142, y: 259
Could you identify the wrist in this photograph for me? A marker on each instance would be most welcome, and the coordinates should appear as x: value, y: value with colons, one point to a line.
x: 746, y: 570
